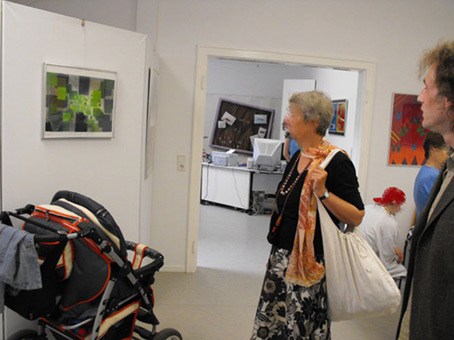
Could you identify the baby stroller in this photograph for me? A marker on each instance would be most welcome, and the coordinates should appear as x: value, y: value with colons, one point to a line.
x: 90, y: 290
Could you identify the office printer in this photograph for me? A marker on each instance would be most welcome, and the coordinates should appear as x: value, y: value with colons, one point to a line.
x: 224, y: 158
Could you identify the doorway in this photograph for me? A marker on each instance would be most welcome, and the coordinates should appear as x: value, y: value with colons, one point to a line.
x: 362, y: 122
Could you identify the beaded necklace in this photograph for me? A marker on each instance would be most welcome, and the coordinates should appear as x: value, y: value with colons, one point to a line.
x: 272, y: 234
x: 284, y: 191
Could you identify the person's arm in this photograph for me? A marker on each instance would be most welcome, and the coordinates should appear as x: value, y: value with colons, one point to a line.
x: 343, y: 210
x: 386, y: 239
x: 286, y: 151
x: 400, y: 256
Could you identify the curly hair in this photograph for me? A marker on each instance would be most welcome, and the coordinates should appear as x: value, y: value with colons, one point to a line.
x: 315, y: 105
x: 443, y: 57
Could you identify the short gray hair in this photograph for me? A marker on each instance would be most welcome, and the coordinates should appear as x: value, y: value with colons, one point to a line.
x: 315, y: 105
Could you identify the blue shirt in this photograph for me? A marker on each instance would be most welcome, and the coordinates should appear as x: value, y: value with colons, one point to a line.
x: 293, y: 147
x: 423, y: 184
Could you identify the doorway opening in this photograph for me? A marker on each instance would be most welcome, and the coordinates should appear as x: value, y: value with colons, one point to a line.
x: 212, y: 62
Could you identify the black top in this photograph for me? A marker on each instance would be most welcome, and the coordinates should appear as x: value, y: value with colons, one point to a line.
x: 341, y: 181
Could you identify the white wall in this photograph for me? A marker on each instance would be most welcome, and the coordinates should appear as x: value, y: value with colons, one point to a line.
x: 341, y: 84
x: 107, y: 170
x: 392, y: 34
x: 147, y: 18
x: 116, y: 13
x: 33, y: 169
x: 121, y: 14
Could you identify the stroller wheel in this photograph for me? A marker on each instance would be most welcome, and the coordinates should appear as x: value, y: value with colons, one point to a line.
x: 26, y: 334
x: 167, y: 334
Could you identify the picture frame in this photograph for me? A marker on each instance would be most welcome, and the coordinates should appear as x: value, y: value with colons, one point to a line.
x: 237, y: 124
x: 153, y: 79
x: 339, y: 121
x: 78, y: 102
x: 407, y: 134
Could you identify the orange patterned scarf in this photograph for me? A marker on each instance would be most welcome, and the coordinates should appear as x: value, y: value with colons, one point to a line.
x: 303, y: 269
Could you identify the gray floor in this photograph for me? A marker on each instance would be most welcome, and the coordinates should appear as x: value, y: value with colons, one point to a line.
x: 218, y: 301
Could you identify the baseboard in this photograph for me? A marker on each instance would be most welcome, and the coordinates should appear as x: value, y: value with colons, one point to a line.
x: 176, y: 269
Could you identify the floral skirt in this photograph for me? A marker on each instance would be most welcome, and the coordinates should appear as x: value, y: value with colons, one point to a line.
x: 287, y: 311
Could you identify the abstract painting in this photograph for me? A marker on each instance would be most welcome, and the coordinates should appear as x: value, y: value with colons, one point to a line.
x: 78, y: 103
x: 339, y: 119
x: 407, y: 133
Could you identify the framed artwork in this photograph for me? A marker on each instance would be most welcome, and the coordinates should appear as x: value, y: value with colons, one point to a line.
x: 153, y: 78
x: 237, y: 124
x: 78, y: 103
x: 339, y: 119
x: 407, y: 133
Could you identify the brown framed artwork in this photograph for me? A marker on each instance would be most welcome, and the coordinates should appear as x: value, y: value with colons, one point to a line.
x: 236, y: 123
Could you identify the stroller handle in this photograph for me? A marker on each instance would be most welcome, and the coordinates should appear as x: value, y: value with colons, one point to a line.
x: 62, y: 236
x: 149, y: 252
x: 49, y: 238
x: 157, y: 257
x: 41, y: 238
x: 28, y: 209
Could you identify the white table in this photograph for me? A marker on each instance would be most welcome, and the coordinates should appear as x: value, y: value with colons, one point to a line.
x: 235, y: 186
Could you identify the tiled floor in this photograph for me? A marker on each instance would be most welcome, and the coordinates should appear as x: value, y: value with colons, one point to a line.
x: 218, y: 301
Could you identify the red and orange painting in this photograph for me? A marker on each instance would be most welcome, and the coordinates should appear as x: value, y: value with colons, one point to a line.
x: 407, y: 133
x: 338, y: 124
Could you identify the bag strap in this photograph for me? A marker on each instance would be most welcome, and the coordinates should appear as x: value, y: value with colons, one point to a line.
x: 324, y: 216
x: 328, y: 158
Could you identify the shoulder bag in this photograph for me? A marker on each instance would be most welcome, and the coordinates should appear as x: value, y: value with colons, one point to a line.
x: 358, y: 285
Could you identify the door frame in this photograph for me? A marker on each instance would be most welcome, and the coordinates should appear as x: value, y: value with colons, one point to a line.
x: 203, y: 54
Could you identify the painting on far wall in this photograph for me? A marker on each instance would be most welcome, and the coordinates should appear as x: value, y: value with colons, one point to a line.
x: 339, y: 119
x: 78, y: 103
x: 407, y: 133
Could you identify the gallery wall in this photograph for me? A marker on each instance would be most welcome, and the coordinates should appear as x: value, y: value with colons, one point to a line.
x: 391, y: 34
x: 114, y: 13
x: 108, y: 170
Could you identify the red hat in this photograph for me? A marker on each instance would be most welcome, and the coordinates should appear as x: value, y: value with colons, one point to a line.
x: 392, y: 195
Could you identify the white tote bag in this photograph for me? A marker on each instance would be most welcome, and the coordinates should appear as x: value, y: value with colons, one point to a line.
x: 358, y: 285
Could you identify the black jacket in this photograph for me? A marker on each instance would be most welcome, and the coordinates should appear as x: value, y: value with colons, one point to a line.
x: 431, y: 270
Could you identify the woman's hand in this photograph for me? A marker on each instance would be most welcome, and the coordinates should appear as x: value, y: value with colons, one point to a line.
x: 319, y: 177
x: 340, y: 208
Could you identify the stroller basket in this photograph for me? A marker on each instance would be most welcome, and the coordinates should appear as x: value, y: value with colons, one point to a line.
x: 90, y: 290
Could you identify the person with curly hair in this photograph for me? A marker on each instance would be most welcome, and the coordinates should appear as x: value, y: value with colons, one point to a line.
x: 427, y: 312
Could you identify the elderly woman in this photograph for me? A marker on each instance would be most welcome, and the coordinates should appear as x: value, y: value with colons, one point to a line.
x: 293, y: 302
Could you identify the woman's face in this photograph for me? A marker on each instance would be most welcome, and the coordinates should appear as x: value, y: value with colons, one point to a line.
x: 297, y: 126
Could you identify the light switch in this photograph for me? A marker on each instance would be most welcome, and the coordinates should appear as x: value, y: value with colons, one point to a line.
x: 181, y: 160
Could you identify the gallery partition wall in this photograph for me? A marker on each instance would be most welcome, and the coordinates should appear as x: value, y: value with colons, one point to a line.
x: 111, y: 170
